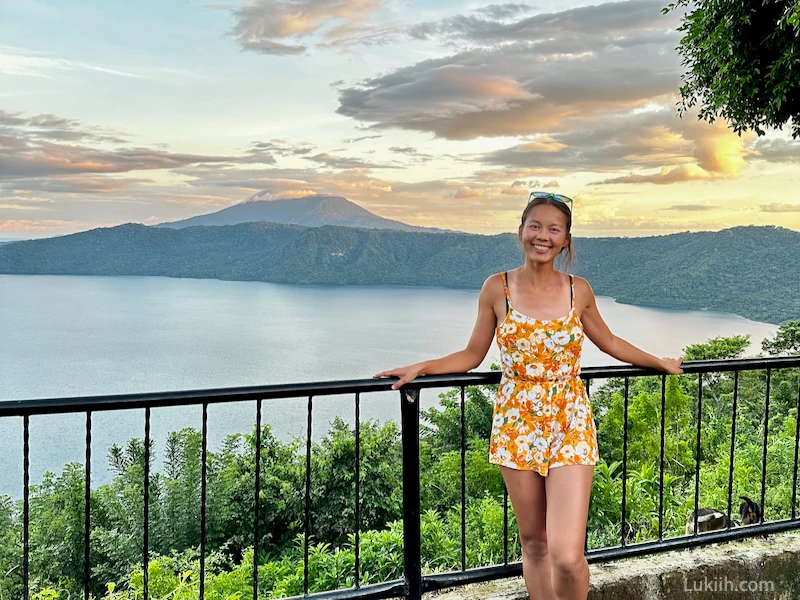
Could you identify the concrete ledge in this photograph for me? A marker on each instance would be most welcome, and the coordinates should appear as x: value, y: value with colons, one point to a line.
x: 752, y: 569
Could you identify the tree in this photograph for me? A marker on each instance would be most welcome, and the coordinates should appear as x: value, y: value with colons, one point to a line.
x: 333, y: 480
x: 742, y: 62
x: 786, y: 341
x: 718, y: 348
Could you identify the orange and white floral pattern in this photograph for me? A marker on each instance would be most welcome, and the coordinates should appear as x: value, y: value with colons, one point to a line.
x: 542, y: 416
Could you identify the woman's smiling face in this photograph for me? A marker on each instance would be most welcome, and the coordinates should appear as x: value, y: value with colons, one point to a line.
x: 544, y: 233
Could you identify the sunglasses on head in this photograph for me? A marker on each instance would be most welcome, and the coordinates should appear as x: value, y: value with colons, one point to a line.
x: 557, y: 197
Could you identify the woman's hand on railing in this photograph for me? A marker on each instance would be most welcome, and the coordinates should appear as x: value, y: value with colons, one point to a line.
x: 406, y: 374
x: 671, y: 365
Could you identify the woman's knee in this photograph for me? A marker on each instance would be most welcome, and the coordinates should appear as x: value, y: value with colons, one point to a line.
x: 534, y: 546
x: 568, y: 564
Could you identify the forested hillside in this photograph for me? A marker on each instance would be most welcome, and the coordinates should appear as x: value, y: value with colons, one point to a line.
x: 745, y: 270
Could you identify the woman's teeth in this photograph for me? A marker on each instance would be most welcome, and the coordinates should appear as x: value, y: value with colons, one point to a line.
x: 541, y: 248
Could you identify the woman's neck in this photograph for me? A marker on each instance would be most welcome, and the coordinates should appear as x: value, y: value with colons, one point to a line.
x: 540, y: 274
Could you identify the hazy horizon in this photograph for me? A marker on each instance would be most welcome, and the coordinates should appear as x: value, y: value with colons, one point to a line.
x: 589, y: 235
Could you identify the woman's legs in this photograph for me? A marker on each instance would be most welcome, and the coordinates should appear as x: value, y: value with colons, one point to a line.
x: 568, y: 489
x: 527, y: 492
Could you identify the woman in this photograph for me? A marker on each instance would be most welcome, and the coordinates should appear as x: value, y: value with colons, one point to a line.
x: 543, y: 433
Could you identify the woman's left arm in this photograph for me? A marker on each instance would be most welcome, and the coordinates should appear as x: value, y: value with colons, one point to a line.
x: 596, y: 330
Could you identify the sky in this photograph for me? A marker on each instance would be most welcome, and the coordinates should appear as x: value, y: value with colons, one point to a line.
x: 436, y: 113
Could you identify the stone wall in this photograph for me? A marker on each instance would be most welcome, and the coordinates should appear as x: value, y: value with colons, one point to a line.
x: 751, y: 569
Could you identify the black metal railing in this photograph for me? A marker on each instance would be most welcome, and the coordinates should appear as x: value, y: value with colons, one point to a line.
x: 414, y: 583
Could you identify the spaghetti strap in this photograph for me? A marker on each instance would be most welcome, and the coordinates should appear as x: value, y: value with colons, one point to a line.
x: 504, y: 277
x: 571, y: 292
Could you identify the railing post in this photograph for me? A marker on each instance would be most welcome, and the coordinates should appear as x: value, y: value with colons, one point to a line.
x: 412, y: 541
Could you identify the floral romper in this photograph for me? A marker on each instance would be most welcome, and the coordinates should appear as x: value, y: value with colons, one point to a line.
x: 542, y: 416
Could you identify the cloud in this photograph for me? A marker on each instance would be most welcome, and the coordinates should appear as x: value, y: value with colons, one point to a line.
x: 506, y: 174
x: 691, y: 207
x: 504, y: 11
x: 407, y: 150
x: 467, y: 192
x: 514, y: 191
x: 269, y: 47
x: 46, y: 160
x: 544, y: 143
x: 522, y: 188
x: 776, y: 150
x: 47, y: 127
x: 264, y: 25
x: 641, y: 226
x: 260, y: 153
x: 283, y: 147
x: 281, y: 180
x: 412, y: 153
x: 22, y: 62
x: 361, y: 139
x: 69, y: 184
x: 341, y: 162
x: 53, y: 226
x: 588, y: 89
x: 531, y: 76
x: 358, y: 34
x: 559, y: 30
x: 779, y: 207
x: 682, y: 149
x: 665, y: 176
x: 46, y: 152
x: 608, y: 213
x: 20, y: 207
x: 284, y: 195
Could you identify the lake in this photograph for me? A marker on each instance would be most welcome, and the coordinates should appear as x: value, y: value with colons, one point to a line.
x: 64, y: 336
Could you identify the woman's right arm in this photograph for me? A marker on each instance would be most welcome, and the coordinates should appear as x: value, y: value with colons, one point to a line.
x: 471, y: 356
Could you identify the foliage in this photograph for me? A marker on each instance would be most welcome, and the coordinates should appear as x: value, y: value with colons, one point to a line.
x: 742, y: 62
x: 718, y: 348
x: 333, y: 480
x: 786, y: 341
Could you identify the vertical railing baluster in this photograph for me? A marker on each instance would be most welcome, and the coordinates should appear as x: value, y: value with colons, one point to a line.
x: 733, y: 444
x: 26, y: 505
x: 358, y: 491
x: 307, y: 532
x: 625, y: 461
x: 257, y: 499
x: 587, y: 385
x: 87, y: 512
x: 146, y: 553
x: 203, y: 490
x: 796, y: 445
x: 697, y: 449
x: 661, y: 459
x: 505, y: 524
x: 764, y: 456
x: 412, y: 540
x: 463, y: 483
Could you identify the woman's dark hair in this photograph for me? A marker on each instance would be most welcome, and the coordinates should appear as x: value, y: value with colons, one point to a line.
x: 568, y: 251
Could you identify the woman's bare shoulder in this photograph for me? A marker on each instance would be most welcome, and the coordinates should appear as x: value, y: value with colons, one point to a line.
x: 581, y: 285
x: 493, y: 285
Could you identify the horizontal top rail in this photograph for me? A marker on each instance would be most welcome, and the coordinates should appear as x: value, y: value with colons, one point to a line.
x: 9, y: 408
